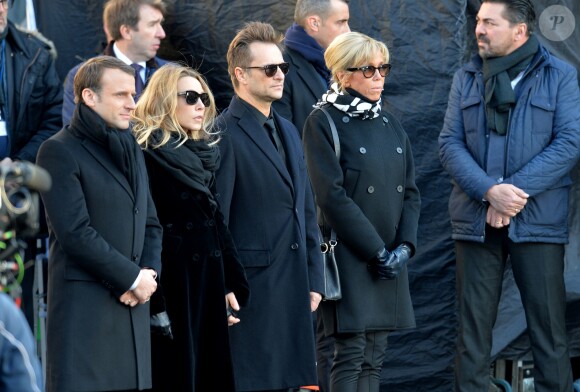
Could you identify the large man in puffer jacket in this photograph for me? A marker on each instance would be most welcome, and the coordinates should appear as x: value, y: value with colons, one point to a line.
x: 510, y: 139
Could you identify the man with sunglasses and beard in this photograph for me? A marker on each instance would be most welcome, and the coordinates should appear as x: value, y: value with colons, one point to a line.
x: 510, y: 139
x: 266, y: 197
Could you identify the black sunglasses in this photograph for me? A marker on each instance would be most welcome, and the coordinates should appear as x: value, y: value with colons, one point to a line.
x: 271, y: 69
x: 368, y: 70
x: 191, y: 97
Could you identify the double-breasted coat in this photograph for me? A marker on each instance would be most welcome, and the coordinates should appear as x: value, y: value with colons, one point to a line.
x: 271, y: 215
x: 101, y: 235
x: 371, y: 200
x: 200, y: 266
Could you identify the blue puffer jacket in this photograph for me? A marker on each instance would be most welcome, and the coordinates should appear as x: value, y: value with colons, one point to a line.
x: 542, y: 147
x: 20, y: 369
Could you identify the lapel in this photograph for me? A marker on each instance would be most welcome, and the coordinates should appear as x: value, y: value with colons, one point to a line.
x: 288, y: 136
x: 250, y: 126
x: 104, y: 159
x: 306, y: 72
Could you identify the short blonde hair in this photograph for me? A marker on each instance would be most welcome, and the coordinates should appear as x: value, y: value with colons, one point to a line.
x: 157, y: 106
x: 352, y: 50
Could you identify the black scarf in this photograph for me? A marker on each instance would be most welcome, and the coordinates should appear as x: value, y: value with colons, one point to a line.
x: 120, y: 144
x: 193, y: 163
x: 498, y: 72
x: 297, y: 39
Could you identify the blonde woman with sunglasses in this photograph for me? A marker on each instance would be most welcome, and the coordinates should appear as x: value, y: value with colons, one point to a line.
x: 202, y: 280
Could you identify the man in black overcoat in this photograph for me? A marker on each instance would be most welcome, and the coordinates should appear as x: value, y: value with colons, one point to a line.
x: 316, y: 24
x: 266, y: 197
x: 105, y: 240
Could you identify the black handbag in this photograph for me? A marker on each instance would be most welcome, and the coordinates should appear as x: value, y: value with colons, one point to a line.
x: 332, y: 290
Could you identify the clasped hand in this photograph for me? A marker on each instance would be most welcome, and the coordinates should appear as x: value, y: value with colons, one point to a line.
x: 388, y: 265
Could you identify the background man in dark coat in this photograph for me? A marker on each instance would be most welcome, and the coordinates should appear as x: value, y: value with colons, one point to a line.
x: 510, y: 139
x: 136, y: 33
x: 30, y: 108
x: 266, y: 196
x: 316, y: 24
x: 30, y: 91
x: 105, y: 240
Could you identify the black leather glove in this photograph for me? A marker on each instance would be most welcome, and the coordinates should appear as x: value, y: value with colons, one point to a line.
x: 377, y: 265
x: 160, y: 325
x: 396, y: 261
x: 388, y: 265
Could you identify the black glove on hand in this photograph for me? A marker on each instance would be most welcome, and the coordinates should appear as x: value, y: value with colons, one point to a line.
x: 396, y: 261
x: 377, y: 265
x: 388, y: 265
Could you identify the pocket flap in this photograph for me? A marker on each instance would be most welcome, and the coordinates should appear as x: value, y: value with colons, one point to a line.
x: 470, y: 101
x: 542, y: 102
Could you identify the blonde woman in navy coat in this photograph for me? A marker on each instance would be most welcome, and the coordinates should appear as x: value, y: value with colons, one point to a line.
x: 371, y: 201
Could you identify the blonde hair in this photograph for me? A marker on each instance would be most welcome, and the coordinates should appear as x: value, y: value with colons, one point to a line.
x: 156, y: 108
x: 352, y: 50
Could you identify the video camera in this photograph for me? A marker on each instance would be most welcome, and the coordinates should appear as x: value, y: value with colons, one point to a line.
x: 20, y: 183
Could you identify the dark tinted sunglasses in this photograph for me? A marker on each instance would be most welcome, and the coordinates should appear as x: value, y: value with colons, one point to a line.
x: 368, y: 70
x: 271, y: 69
x: 191, y: 97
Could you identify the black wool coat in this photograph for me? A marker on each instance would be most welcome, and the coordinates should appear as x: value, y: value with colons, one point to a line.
x: 303, y: 86
x: 272, y: 219
x: 371, y: 200
x: 101, y: 235
x: 200, y: 266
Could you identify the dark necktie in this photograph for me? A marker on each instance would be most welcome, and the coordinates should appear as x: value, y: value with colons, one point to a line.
x: 275, y: 137
x: 138, y: 81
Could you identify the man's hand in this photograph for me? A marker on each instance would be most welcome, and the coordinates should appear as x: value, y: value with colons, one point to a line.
x: 147, y: 285
x: 129, y: 299
x: 496, y: 219
x: 232, y: 307
x: 507, y: 199
x: 315, y: 299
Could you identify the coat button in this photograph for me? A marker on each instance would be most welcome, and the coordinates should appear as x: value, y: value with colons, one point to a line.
x: 184, y: 195
x: 136, y: 211
x: 135, y: 257
x: 400, y: 188
x: 211, y: 223
x: 189, y: 225
x: 217, y: 253
x: 399, y: 150
x: 195, y: 257
x: 294, y: 246
x: 362, y: 150
x: 371, y: 189
x: 346, y: 119
x: 385, y: 120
